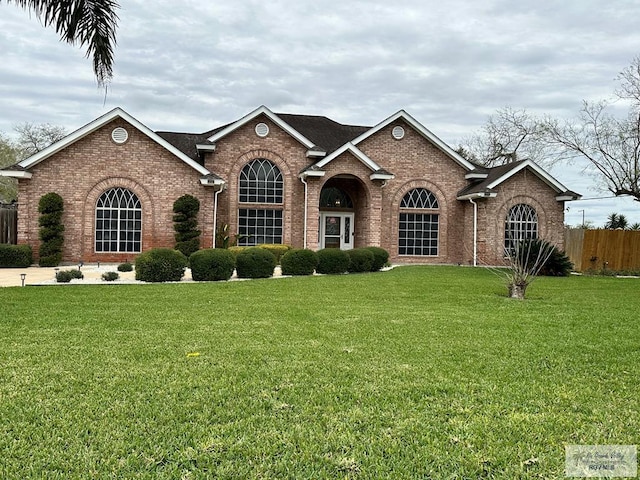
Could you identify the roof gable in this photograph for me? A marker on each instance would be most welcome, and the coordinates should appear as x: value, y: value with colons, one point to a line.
x: 100, y: 122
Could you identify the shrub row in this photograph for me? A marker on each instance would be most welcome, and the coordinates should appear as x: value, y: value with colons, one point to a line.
x: 160, y: 265
x: 15, y: 256
x: 65, y: 276
x: 278, y: 250
x: 367, y: 259
x: 212, y: 264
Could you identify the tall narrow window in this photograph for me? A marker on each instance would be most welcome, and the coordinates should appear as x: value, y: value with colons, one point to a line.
x: 521, y: 223
x: 260, y: 183
x: 419, y: 225
x: 118, y: 222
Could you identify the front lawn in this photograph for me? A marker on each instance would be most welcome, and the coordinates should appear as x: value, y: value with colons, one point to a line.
x: 420, y: 372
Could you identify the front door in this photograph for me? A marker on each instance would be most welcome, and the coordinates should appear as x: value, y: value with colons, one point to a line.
x: 336, y: 230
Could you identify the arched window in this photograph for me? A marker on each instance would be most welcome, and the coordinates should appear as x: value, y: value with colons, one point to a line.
x: 118, y: 221
x: 333, y: 197
x: 261, y: 182
x: 521, y: 223
x: 418, y: 229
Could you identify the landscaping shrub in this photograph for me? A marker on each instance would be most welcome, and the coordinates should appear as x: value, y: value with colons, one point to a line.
x: 332, y: 260
x: 277, y: 249
x: 558, y: 263
x: 110, y: 276
x: 50, y: 208
x: 360, y: 260
x: 299, y: 262
x: 255, y: 262
x: 212, y: 264
x: 15, y: 256
x: 185, y: 220
x: 160, y: 265
x: 125, y: 267
x: 380, y: 258
x: 65, y: 276
x: 235, y: 250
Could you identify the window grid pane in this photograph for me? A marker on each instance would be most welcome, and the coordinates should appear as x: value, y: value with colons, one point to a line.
x: 418, y: 234
x: 118, y: 222
x: 259, y: 226
x: 261, y: 182
x: 520, y: 224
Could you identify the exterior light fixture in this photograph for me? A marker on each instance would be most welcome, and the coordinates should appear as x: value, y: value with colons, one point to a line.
x: 22, y: 277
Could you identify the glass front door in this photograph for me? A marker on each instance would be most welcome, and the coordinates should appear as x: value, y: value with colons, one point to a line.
x: 336, y: 230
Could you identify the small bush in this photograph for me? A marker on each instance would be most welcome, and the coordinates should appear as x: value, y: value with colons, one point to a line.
x: 110, y: 276
x: 65, y: 276
x: 212, y: 264
x: 255, y: 262
x: 360, y: 260
x: 125, y: 267
x: 299, y: 262
x: 277, y: 249
x: 332, y: 261
x: 50, y: 207
x: 558, y: 263
x: 380, y: 258
x: 160, y: 265
x: 15, y: 256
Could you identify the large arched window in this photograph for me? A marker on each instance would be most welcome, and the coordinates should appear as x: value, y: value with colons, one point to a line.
x: 118, y: 222
x: 260, y: 183
x: 521, y: 223
x: 418, y: 229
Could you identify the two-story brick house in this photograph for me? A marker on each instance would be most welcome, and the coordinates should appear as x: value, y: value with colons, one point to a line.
x: 302, y: 180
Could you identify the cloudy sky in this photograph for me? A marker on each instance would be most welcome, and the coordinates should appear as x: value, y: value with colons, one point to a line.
x: 193, y: 65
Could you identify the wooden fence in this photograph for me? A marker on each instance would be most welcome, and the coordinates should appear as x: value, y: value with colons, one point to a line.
x: 8, y: 223
x: 603, y: 249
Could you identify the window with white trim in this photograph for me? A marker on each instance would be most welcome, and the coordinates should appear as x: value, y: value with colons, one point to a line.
x: 262, y: 186
x: 118, y: 222
x: 418, y: 228
x: 520, y: 224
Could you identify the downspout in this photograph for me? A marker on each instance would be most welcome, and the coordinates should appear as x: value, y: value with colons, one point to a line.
x: 306, y: 201
x: 475, y: 232
x: 215, y: 213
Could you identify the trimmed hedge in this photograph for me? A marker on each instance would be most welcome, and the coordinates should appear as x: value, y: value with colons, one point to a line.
x: 50, y: 208
x: 332, y: 261
x: 160, y: 265
x: 110, y: 276
x: 380, y: 258
x: 277, y: 249
x: 299, y: 262
x: 360, y: 260
x: 65, y: 276
x: 212, y: 264
x: 15, y: 256
x: 125, y: 267
x: 255, y: 262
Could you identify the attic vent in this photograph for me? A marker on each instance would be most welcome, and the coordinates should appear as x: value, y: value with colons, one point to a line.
x: 262, y: 129
x: 119, y: 135
x: 398, y: 132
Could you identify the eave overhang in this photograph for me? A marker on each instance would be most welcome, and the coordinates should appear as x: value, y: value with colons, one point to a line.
x: 16, y: 174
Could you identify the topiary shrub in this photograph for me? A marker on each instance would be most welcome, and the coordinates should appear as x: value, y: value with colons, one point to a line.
x: 160, y: 265
x: 332, y: 261
x: 50, y: 207
x: 299, y: 262
x: 360, y: 260
x: 110, y: 276
x: 125, y: 267
x: 380, y: 258
x: 185, y: 220
x: 212, y: 264
x: 277, y: 249
x: 15, y: 256
x: 65, y: 276
x: 255, y: 262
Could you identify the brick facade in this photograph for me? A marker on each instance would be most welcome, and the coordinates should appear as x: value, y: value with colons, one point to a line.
x: 84, y: 169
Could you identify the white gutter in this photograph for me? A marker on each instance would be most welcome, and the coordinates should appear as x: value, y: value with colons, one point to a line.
x: 475, y: 232
x: 306, y: 201
x: 215, y: 213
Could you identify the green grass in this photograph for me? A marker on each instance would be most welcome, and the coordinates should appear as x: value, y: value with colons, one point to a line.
x: 420, y: 372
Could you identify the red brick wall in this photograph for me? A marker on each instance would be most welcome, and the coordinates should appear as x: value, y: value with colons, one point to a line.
x: 84, y: 170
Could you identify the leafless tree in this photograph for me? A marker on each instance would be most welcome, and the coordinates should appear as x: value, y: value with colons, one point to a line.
x: 33, y: 138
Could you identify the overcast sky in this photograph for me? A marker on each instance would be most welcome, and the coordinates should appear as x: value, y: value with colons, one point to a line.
x: 194, y: 65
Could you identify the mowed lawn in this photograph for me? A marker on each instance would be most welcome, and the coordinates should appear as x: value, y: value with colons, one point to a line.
x: 420, y: 372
